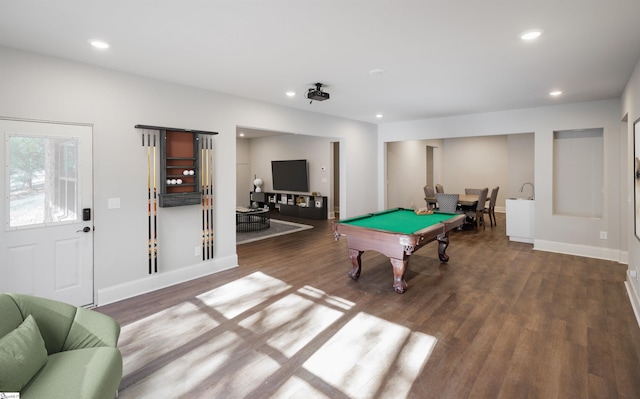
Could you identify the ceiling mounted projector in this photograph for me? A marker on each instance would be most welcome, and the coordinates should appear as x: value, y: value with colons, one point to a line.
x: 317, y: 94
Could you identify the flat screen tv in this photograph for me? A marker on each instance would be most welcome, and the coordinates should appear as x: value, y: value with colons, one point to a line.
x: 290, y: 175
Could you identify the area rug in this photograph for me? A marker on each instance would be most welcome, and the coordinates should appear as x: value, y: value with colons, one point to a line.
x: 277, y: 228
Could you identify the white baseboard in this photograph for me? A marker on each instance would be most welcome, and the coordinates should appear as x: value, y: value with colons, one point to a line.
x: 162, y: 280
x: 634, y: 298
x: 581, y: 250
x: 526, y: 240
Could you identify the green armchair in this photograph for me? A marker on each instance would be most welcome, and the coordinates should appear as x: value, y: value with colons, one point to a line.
x: 49, y: 349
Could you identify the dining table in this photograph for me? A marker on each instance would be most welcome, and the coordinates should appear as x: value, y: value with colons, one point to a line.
x: 468, y: 200
x: 465, y: 200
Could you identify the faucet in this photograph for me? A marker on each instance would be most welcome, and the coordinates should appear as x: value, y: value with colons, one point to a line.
x: 533, y: 190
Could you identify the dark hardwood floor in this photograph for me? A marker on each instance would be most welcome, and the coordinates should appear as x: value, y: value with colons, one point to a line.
x: 508, y: 321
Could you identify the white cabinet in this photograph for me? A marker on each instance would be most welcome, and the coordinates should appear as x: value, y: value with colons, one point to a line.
x: 520, y: 219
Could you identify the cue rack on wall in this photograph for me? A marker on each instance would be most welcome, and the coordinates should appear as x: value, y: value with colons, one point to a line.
x: 185, y: 160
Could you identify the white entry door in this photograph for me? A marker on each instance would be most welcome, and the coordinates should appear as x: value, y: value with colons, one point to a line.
x: 46, y: 230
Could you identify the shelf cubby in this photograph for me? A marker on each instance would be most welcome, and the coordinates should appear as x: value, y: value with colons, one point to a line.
x: 299, y: 205
x: 179, y: 152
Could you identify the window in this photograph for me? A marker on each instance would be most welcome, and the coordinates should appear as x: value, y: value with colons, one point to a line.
x: 43, y: 180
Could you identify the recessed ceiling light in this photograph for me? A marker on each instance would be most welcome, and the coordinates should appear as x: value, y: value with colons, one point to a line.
x: 555, y: 93
x: 241, y: 135
x: 531, y: 34
x: 377, y: 71
x: 379, y: 116
x: 290, y: 93
x: 101, y: 44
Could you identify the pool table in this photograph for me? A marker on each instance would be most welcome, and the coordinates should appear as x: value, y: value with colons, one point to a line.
x: 395, y: 233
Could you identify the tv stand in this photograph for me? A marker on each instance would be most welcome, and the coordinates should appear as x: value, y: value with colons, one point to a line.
x: 298, y: 205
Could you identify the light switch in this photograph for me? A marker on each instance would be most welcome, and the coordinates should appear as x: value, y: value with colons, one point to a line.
x: 113, y: 203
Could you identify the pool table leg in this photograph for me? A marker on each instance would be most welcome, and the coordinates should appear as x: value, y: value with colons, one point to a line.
x: 356, y: 262
x: 443, y: 243
x: 399, y: 267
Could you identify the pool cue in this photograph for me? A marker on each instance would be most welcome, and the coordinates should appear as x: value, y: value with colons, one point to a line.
x: 206, y: 153
x: 205, y: 173
x: 149, y: 196
x: 211, y: 196
x: 202, y: 195
x: 155, y: 211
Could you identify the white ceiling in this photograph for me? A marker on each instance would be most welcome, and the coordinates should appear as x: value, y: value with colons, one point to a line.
x: 441, y: 57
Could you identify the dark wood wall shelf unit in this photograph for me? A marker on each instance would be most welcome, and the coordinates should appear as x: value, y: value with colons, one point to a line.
x: 299, y: 205
x: 179, y: 152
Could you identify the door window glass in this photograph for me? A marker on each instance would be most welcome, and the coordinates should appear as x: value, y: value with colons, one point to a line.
x: 43, y: 180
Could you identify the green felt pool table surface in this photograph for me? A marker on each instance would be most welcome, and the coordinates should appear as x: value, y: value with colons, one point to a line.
x: 398, y: 220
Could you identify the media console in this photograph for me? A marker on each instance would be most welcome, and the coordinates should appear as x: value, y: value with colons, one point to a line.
x: 299, y: 205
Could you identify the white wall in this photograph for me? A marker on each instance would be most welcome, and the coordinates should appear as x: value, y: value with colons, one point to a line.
x: 505, y: 161
x: 555, y: 233
x: 521, y: 161
x: 257, y: 153
x: 407, y: 174
x: 244, y: 178
x: 316, y: 150
x: 631, y: 110
x: 578, y: 162
x: 260, y: 151
x: 476, y: 162
x: 43, y: 88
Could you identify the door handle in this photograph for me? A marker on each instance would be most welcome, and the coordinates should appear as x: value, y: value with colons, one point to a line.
x: 86, y: 229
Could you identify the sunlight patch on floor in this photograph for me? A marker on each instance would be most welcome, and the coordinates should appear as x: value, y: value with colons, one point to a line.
x: 289, y: 324
x: 166, y: 331
x: 370, y: 356
x: 330, y: 299
x: 205, y: 373
x: 298, y: 388
x: 195, y: 349
x: 243, y: 294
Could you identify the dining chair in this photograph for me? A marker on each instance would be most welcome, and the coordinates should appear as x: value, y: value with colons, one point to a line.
x: 472, y: 191
x: 477, y: 214
x: 439, y: 188
x: 447, y: 202
x: 429, y: 193
x: 491, y: 209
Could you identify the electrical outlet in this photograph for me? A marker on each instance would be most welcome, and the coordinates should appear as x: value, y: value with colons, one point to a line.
x: 198, y: 251
x: 603, y: 235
